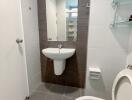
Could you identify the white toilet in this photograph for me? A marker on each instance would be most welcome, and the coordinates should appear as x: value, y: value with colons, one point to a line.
x: 122, y: 87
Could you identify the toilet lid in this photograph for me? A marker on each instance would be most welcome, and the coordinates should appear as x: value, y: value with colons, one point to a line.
x: 122, y: 87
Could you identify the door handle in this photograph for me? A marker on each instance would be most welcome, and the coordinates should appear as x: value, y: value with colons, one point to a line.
x: 18, y: 40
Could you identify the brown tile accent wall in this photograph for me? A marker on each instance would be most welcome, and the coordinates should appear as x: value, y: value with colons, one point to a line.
x: 75, y: 72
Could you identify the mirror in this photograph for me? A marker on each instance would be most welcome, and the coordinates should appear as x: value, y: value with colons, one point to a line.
x: 62, y: 20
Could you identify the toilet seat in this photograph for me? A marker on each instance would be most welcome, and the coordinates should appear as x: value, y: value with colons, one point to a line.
x: 122, y: 87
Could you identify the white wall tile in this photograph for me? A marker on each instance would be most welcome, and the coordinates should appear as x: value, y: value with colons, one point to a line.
x: 107, y: 48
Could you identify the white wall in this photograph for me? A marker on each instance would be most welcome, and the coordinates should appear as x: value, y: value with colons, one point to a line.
x: 51, y: 19
x: 56, y: 20
x: 61, y: 19
x: 107, y: 48
x: 31, y: 35
x: 129, y: 57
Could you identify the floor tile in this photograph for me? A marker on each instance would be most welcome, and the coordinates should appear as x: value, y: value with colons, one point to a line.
x: 50, y: 96
x: 67, y: 98
x: 48, y: 91
x: 72, y: 92
x: 44, y: 88
x: 83, y: 92
x: 57, y: 89
x: 37, y: 96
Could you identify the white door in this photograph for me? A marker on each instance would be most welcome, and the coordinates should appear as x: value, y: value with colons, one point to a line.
x: 13, y: 77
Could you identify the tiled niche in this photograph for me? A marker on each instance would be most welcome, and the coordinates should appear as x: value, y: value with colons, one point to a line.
x: 75, y: 72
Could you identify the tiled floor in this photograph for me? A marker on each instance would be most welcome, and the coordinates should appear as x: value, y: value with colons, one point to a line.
x: 56, y: 92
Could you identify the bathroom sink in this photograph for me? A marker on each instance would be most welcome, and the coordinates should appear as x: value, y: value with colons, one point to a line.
x: 58, y: 54
x: 59, y: 57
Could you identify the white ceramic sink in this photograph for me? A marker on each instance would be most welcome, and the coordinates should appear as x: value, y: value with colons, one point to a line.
x: 59, y: 56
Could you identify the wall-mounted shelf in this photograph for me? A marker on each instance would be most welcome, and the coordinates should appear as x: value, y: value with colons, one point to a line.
x: 123, y: 23
x: 116, y: 4
x: 121, y: 2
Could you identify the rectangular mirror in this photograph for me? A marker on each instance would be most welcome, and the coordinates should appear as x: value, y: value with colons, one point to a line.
x: 62, y: 20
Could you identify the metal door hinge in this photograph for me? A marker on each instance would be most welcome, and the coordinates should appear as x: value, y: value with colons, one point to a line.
x: 18, y: 40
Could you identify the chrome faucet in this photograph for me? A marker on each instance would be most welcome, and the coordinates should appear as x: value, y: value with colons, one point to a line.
x: 59, y: 46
